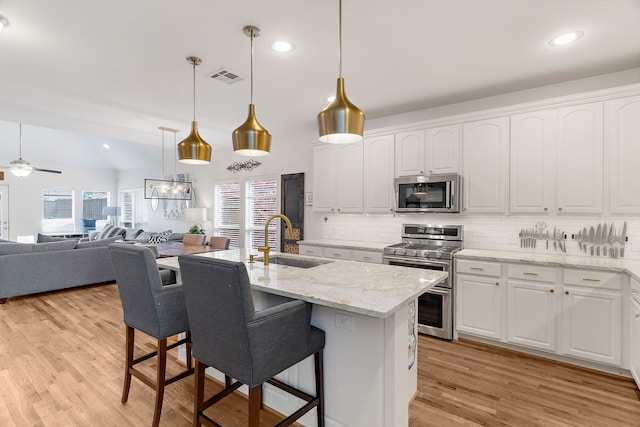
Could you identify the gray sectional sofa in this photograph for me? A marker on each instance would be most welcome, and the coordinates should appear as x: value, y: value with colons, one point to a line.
x: 29, y: 268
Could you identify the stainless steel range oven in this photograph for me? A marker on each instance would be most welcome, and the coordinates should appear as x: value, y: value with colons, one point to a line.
x: 430, y: 247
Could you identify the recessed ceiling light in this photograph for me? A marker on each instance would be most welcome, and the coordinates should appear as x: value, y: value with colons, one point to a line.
x: 282, y: 46
x: 105, y: 146
x: 4, y: 22
x: 566, y: 38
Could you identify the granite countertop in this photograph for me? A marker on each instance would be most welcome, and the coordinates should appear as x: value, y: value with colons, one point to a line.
x: 621, y: 265
x: 346, y: 244
x: 375, y: 290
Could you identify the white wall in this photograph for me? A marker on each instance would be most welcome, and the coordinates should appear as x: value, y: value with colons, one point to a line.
x: 25, y: 194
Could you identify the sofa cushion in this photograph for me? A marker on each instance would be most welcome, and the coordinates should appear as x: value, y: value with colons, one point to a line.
x: 42, y: 238
x: 161, y: 237
x: 110, y: 231
x: 23, y: 248
x: 98, y: 243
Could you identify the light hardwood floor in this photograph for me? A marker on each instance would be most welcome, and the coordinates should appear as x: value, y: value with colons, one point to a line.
x: 61, y: 364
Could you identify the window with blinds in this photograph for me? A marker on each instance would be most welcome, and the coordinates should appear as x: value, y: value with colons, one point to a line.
x: 227, y: 212
x: 93, y: 203
x: 261, y: 203
x: 57, y: 211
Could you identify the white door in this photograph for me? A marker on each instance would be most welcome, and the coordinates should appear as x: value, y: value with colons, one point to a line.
x: 4, y: 212
x: 378, y: 174
x: 531, y: 314
x: 443, y: 149
x: 479, y: 306
x: 410, y: 155
x: 625, y: 150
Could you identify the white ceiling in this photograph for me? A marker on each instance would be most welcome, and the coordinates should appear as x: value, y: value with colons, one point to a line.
x: 116, y: 70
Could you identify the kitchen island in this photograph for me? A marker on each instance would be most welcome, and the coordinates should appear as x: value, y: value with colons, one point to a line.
x: 368, y: 312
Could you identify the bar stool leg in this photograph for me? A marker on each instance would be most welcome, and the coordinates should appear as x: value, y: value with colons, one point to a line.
x: 198, y: 406
x: 255, y: 399
x: 319, y: 365
x: 160, y: 380
x: 130, y: 336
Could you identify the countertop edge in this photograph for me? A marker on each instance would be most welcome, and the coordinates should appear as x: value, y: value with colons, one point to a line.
x: 346, y: 244
x: 630, y: 267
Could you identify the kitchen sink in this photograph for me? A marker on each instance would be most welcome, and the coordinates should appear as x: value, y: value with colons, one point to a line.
x: 293, y: 262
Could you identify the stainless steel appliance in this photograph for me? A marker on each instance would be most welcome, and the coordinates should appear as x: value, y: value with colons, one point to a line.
x: 431, y: 247
x: 430, y: 193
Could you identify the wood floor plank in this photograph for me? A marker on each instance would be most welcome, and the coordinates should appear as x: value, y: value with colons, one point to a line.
x: 62, y: 358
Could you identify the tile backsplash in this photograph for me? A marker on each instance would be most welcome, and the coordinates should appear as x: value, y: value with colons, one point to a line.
x: 480, y: 232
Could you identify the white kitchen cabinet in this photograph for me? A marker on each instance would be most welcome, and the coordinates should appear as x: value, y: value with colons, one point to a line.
x: 338, y: 178
x: 410, y: 153
x: 378, y: 174
x: 443, y: 149
x: 532, y: 306
x: 623, y: 118
x: 479, y: 299
x: 580, y: 159
x: 532, y: 181
x: 592, y: 316
x: 635, y: 332
x: 485, y: 164
x: 309, y: 250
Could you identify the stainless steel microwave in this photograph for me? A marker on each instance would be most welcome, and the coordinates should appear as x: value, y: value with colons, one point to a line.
x: 429, y: 193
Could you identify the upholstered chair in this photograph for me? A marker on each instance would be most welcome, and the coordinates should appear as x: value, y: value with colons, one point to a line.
x: 244, y: 344
x: 149, y: 307
x: 219, y: 242
x: 194, y: 239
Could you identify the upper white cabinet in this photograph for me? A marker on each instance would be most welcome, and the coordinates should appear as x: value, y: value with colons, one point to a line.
x: 410, y: 153
x: 485, y: 146
x: 443, y: 149
x: 580, y: 159
x: 378, y: 174
x: 338, y: 178
x: 532, y: 181
x: 623, y: 118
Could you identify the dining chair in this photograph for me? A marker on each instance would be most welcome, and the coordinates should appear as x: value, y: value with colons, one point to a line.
x: 194, y: 239
x: 250, y: 346
x: 156, y: 310
x: 219, y: 242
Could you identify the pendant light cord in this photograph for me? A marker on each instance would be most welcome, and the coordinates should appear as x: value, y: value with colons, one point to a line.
x: 162, y: 153
x: 252, y: 36
x: 340, y: 23
x: 20, y: 147
x: 194, y: 90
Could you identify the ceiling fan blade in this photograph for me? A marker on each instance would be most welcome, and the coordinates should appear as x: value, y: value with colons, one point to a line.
x: 46, y: 170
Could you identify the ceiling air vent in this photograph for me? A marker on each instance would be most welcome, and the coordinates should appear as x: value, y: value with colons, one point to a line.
x: 225, y: 76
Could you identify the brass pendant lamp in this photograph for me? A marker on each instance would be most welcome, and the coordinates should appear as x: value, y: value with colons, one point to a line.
x: 251, y: 138
x: 341, y: 122
x: 193, y: 149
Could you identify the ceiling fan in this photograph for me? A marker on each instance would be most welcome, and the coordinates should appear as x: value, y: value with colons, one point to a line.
x: 21, y: 167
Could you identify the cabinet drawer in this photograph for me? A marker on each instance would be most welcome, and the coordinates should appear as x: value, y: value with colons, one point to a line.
x: 310, y: 250
x: 594, y: 279
x: 366, y: 256
x: 531, y: 272
x: 480, y: 268
x: 338, y: 253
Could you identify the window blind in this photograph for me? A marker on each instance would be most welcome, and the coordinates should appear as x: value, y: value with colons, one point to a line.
x: 261, y: 202
x: 227, y: 212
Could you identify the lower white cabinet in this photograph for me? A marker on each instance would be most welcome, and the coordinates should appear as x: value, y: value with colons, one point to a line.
x: 479, y: 305
x: 569, y: 312
x: 635, y: 340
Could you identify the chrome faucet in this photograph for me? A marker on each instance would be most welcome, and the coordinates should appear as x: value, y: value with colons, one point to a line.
x: 266, y: 249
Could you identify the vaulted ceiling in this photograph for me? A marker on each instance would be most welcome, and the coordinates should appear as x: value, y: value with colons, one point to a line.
x: 83, y: 72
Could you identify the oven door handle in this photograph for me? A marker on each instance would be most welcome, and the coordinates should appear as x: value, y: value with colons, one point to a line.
x: 438, y: 291
x: 417, y: 262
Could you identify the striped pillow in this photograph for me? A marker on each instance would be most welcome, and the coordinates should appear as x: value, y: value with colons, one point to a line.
x: 110, y: 231
x: 162, y: 237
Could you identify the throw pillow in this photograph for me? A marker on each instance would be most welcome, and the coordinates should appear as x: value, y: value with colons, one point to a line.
x: 131, y: 234
x: 162, y: 237
x: 111, y: 231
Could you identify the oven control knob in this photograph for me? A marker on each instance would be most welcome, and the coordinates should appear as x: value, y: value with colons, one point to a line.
x: 400, y: 251
x: 411, y: 252
x: 437, y: 255
x: 389, y: 250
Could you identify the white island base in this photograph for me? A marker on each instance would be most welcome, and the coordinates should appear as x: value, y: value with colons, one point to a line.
x: 368, y: 313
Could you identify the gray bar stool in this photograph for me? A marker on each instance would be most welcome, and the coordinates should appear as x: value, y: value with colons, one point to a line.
x: 150, y: 307
x: 247, y: 345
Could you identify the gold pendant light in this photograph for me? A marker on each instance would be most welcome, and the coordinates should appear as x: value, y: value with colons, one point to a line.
x: 341, y: 122
x: 251, y: 138
x: 193, y: 149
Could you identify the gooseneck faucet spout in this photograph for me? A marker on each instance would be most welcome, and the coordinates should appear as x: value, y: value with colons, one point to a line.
x: 266, y: 249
